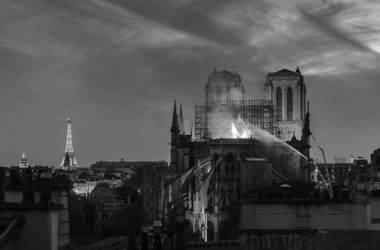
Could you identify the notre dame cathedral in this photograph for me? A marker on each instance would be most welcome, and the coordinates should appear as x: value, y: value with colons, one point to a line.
x: 287, y: 91
x: 238, y: 146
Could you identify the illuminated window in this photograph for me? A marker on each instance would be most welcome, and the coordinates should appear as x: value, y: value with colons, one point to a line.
x: 290, y: 104
x: 279, y: 103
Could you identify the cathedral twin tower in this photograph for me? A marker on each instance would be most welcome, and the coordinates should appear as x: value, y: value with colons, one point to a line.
x: 282, y: 112
x: 287, y: 91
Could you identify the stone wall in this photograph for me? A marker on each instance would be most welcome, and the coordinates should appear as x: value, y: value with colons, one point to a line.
x: 311, y: 240
x: 323, y: 215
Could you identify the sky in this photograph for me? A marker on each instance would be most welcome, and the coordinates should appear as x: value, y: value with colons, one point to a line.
x: 116, y: 66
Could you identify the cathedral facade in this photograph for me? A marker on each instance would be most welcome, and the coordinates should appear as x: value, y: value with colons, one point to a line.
x: 238, y: 146
x: 287, y: 91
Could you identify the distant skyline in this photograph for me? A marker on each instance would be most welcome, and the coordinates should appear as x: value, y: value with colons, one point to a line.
x: 116, y: 67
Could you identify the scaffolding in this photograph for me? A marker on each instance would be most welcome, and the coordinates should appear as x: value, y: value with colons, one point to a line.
x: 213, y: 119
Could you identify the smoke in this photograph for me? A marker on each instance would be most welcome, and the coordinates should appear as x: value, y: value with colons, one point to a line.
x: 224, y: 125
x: 218, y: 124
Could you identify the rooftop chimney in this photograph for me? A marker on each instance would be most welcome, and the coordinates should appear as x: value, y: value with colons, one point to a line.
x: 2, y: 183
x: 14, y: 176
x: 45, y: 187
x: 27, y: 182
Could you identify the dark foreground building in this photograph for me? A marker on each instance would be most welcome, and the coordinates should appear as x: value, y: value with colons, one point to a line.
x: 33, y: 209
x: 143, y: 176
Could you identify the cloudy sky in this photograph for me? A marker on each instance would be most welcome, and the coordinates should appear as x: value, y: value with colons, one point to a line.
x: 117, y: 65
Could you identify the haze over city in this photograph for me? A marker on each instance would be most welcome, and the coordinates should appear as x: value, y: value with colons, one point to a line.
x: 116, y: 67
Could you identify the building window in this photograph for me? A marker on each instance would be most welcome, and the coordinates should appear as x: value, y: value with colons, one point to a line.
x: 290, y: 104
x: 279, y: 103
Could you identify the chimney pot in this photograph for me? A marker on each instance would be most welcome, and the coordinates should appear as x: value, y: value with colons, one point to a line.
x: 45, y: 187
x: 2, y: 183
x: 14, y: 176
x: 27, y: 181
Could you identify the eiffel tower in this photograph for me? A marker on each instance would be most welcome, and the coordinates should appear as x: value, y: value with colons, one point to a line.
x: 69, y: 160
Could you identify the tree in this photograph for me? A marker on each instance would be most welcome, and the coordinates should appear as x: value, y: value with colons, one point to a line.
x: 229, y: 227
x: 124, y: 191
x: 90, y: 212
x: 77, y: 216
x: 127, y: 221
x: 375, y: 157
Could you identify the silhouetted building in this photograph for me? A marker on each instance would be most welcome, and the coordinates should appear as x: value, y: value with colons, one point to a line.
x: 35, y: 204
x: 143, y: 176
x: 106, y: 202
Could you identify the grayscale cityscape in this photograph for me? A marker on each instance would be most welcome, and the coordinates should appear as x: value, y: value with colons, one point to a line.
x: 189, y: 124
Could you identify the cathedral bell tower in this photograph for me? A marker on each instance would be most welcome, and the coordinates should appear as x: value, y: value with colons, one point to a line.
x: 287, y: 91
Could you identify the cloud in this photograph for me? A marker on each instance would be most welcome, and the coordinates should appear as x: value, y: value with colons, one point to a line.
x: 330, y: 29
x: 71, y: 31
x: 120, y: 64
x: 194, y: 18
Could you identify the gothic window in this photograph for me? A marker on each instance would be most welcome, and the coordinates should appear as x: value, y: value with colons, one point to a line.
x: 290, y: 104
x: 279, y: 103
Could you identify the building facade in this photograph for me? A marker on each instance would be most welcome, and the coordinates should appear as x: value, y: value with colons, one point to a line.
x: 287, y: 91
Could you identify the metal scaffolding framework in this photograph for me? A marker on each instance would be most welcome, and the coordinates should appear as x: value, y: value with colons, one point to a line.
x: 213, y: 119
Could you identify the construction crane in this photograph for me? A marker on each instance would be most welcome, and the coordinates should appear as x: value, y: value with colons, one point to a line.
x: 327, y: 182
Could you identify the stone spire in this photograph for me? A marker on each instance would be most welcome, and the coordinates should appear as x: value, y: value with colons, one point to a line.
x: 180, y: 121
x: 306, y: 133
x: 174, y: 130
x: 191, y: 131
x: 175, y: 126
x: 69, y: 150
